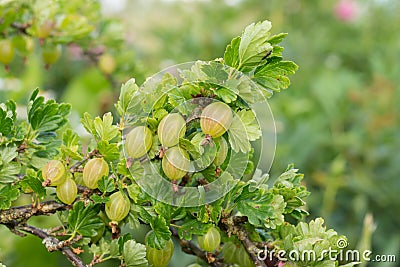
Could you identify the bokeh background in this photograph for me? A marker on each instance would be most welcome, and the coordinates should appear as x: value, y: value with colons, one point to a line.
x: 338, y: 122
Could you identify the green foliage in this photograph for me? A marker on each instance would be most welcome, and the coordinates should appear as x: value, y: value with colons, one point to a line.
x: 84, y: 220
x: 27, y: 145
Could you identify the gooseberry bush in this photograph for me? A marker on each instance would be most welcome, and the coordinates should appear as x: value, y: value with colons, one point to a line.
x: 181, y: 159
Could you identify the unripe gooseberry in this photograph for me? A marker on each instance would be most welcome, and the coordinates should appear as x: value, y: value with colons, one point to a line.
x: 159, y: 257
x: 216, y: 119
x: 210, y: 241
x: 117, y: 208
x: 139, y: 141
x: 93, y: 171
x: 106, y: 63
x: 23, y: 45
x: 194, y: 265
x: 51, y: 53
x: 67, y: 191
x: 171, y: 128
x: 54, y: 172
x: 6, y: 51
x: 175, y: 163
x: 44, y: 29
x: 222, y: 152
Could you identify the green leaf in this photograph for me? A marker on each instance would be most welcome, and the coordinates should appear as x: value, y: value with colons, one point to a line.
x: 6, y: 120
x: 160, y: 234
x: 134, y: 254
x: 126, y: 98
x: 109, y: 151
x: 102, y: 248
x: 8, y: 194
x: 254, y: 45
x: 190, y: 147
x: 70, y: 145
x: 105, y: 129
x: 276, y: 39
x: 32, y: 182
x: 46, y: 116
x: 106, y: 184
x: 216, y: 72
x: 274, y: 75
x: 244, y: 128
x: 9, y: 172
x: 99, y: 199
x: 192, y: 227
x: 84, y: 220
x: 88, y: 123
x: 254, y: 205
x: 231, y: 55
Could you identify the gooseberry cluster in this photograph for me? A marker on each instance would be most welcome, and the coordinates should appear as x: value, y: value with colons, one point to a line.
x: 55, y: 174
x: 214, y: 121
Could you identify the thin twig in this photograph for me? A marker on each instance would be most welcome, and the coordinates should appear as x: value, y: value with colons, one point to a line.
x: 47, y: 240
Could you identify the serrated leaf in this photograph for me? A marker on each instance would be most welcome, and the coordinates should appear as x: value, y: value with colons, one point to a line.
x: 105, y: 129
x: 274, y: 75
x: 244, y: 128
x: 84, y: 220
x: 192, y: 227
x: 109, y: 151
x: 88, y: 123
x: 9, y: 172
x: 99, y: 199
x: 231, y: 55
x: 126, y: 97
x: 134, y: 254
x: 160, y: 234
x: 190, y: 147
x: 34, y: 184
x: 46, y: 116
x: 254, y: 45
x: 8, y: 194
x: 276, y: 39
x: 106, y: 184
x: 6, y: 121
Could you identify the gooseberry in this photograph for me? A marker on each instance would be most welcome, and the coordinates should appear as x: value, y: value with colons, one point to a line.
x: 175, y: 163
x: 210, y: 241
x: 106, y: 63
x: 51, y: 53
x: 67, y: 191
x: 117, y: 208
x: 216, y: 119
x: 159, y: 257
x: 54, y: 172
x: 6, y: 51
x: 171, y: 128
x: 139, y: 141
x: 93, y: 171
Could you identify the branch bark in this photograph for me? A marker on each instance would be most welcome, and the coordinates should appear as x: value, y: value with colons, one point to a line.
x: 16, y: 215
x: 52, y: 242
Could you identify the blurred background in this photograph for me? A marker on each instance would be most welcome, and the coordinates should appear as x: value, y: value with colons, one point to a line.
x: 338, y: 122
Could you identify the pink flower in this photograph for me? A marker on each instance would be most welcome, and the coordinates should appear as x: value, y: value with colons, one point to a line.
x: 346, y: 10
